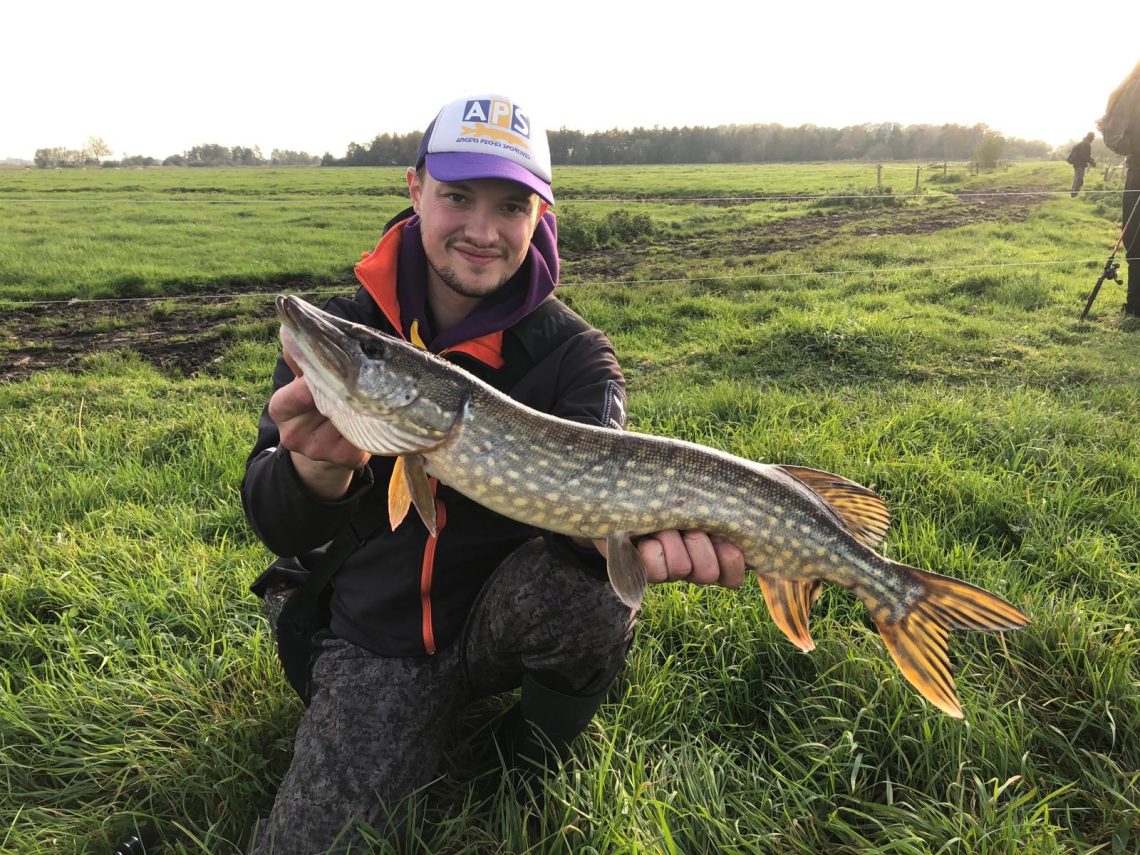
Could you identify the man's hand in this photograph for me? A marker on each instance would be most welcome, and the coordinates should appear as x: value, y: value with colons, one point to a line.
x: 702, y: 559
x: 323, y: 458
x: 691, y: 555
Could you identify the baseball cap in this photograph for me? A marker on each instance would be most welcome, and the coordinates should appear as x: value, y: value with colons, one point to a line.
x: 487, y: 136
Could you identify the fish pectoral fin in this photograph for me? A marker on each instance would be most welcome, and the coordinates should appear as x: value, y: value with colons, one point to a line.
x: 409, y: 486
x: 862, y: 511
x: 790, y: 602
x: 626, y: 570
x: 918, y: 641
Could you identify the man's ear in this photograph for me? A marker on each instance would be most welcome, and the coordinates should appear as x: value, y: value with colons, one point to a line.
x: 414, y: 188
x: 543, y: 207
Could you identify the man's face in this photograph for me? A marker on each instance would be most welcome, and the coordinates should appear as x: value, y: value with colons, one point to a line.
x: 475, y: 233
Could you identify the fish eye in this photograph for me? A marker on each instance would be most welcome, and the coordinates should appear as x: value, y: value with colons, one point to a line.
x: 372, y: 349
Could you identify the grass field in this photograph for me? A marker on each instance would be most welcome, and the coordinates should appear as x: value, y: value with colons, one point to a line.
x: 926, y: 345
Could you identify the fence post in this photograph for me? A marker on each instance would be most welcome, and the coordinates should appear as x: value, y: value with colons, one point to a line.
x: 917, y: 173
x: 879, y: 177
x: 944, y: 169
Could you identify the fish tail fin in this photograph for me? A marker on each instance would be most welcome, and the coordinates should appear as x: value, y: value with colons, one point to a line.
x: 917, y: 640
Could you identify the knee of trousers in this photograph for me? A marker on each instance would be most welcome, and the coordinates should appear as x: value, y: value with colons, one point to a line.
x: 563, y: 605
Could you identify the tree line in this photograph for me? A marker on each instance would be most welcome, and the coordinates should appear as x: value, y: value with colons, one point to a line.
x: 740, y: 144
x: 769, y: 143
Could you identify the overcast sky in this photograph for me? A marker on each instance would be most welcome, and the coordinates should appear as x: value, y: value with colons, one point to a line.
x: 158, y: 78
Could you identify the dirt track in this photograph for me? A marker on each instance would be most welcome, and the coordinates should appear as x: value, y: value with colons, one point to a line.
x: 185, y: 339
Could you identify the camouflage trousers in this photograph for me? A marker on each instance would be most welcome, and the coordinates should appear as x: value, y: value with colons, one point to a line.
x: 376, y: 726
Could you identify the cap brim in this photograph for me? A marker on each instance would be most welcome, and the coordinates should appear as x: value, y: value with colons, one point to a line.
x: 466, y: 166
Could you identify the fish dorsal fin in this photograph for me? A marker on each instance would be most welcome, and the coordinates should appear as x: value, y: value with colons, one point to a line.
x: 408, y: 486
x: 790, y: 601
x: 626, y: 570
x: 863, y: 513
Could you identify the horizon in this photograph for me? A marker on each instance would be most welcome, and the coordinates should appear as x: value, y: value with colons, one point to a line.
x: 157, y: 84
x: 266, y: 150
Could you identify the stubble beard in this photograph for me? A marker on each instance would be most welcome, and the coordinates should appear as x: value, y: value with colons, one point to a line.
x: 452, y: 280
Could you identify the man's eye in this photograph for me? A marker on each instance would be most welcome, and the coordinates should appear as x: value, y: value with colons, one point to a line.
x: 456, y: 197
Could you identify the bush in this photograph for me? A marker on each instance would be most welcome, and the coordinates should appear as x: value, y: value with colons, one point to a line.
x: 581, y: 232
x: 857, y: 197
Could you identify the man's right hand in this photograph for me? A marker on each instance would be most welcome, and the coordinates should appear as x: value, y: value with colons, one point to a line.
x: 324, y: 460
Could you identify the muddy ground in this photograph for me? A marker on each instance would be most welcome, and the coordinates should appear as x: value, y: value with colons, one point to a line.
x: 186, y: 336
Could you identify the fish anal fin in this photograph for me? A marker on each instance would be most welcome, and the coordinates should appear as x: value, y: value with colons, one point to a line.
x: 409, y: 486
x: 790, y: 602
x: 626, y: 570
x: 917, y: 641
x: 862, y: 511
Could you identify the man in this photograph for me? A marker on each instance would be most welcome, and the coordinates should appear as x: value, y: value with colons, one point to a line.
x: 1081, y: 158
x: 421, y: 625
x: 1120, y: 127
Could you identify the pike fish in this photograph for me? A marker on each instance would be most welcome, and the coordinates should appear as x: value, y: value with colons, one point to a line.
x: 796, y: 526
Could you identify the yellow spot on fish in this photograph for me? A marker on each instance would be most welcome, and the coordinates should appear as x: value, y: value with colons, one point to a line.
x: 621, y: 484
x: 552, y: 497
x: 496, y: 481
x: 521, y: 502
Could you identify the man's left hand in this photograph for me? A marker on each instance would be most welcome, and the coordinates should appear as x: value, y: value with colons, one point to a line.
x: 691, y: 555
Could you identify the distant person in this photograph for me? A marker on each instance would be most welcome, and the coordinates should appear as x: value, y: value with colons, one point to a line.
x: 1120, y: 127
x: 1081, y: 158
x: 420, y: 623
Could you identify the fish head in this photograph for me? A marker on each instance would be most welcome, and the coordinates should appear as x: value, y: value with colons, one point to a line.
x: 383, y: 394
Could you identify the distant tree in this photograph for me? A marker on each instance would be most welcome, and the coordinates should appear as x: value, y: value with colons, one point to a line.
x: 243, y: 156
x: 990, y: 149
x: 210, y: 154
x: 96, y: 149
x: 174, y: 160
x: 284, y: 157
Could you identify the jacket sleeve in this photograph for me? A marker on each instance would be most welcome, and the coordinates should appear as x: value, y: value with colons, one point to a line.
x: 589, y: 386
x: 283, y: 513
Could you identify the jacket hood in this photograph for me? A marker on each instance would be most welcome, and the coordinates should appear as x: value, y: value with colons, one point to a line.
x: 399, y: 289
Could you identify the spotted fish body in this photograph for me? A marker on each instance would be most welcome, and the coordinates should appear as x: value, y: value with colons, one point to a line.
x: 795, y: 526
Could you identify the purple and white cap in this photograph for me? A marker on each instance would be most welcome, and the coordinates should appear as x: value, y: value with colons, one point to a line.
x: 487, y: 136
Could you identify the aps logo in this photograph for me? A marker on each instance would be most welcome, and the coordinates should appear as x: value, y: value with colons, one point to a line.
x: 496, y: 119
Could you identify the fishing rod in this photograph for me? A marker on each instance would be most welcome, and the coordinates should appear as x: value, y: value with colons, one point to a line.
x: 1112, y: 266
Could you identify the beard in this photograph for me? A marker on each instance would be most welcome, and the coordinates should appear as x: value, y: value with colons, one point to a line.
x: 453, y: 281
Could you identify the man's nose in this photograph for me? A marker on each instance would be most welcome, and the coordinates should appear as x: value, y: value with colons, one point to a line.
x: 480, y: 227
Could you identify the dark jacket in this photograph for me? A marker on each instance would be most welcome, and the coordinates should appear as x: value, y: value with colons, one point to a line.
x: 404, y: 593
x: 1081, y: 155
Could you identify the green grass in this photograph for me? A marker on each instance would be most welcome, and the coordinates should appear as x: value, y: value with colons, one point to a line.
x: 945, y: 367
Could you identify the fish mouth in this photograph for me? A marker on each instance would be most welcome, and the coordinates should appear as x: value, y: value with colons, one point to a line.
x: 320, y: 342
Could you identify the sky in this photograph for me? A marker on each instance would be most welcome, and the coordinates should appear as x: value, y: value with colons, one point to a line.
x: 156, y: 79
